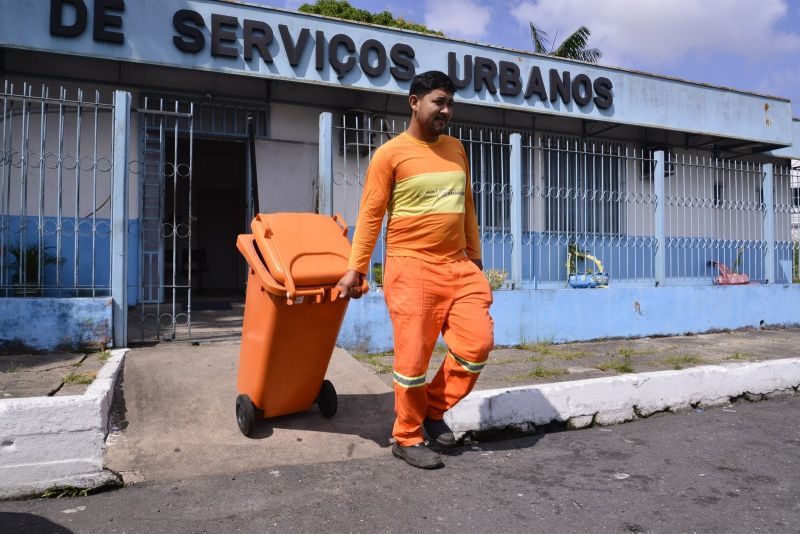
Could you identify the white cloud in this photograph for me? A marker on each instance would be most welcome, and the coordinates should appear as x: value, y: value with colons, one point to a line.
x: 466, y: 19
x: 663, y: 32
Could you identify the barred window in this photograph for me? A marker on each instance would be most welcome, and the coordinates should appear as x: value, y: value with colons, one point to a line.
x: 582, y: 183
x: 488, y: 151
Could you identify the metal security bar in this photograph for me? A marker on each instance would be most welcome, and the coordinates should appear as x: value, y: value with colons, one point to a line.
x: 787, y: 224
x: 714, y: 212
x: 588, y: 206
x: 164, y: 174
x: 55, y: 192
x: 360, y: 133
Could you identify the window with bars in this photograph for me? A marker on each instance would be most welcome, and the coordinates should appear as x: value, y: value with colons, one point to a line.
x: 582, y: 185
x: 488, y: 151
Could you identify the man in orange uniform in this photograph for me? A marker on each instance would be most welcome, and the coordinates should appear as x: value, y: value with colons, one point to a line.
x: 433, y: 280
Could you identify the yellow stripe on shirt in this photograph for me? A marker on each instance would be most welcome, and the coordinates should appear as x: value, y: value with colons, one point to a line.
x: 434, y: 192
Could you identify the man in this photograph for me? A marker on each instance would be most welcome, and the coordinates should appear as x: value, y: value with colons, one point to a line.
x: 433, y: 280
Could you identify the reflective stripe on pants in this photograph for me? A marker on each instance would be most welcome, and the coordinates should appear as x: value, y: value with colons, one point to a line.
x: 425, y: 299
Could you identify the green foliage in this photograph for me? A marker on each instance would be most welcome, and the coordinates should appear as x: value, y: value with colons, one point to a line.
x: 376, y: 361
x: 737, y: 262
x: 496, y: 277
x: 78, y: 378
x: 29, y: 258
x: 682, y: 360
x: 58, y: 492
x: 377, y: 274
x: 573, y: 47
x: 341, y: 9
x: 620, y: 365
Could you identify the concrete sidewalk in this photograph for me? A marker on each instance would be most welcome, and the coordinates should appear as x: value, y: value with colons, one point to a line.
x: 174, y: 417
x: 174, y: 414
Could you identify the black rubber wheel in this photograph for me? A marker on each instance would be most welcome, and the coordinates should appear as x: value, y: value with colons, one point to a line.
x: 327, y: 401
x: 245, y: 414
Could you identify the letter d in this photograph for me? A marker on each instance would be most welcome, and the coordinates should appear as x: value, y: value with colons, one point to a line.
x: 57, y: 26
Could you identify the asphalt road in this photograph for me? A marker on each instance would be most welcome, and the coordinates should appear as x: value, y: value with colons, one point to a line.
x: 725, y: 470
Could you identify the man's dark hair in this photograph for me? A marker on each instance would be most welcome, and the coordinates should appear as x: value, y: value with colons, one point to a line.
x: 424, y: 83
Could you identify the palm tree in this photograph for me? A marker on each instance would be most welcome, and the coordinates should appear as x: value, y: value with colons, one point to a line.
x: 573, y: 47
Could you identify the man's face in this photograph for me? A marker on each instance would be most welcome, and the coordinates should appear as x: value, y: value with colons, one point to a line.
x: 433, y: 111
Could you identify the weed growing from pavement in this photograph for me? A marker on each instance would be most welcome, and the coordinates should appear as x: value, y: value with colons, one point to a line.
x: 440, y: 348
x: 620, y: 365
x: 539, y: 371
x: 571, y: 355
x: 629, y: 351
x: 13, y: 366
x: 78, y: 378
x: 739, y: 356
x: 103, y: 356
x: 374, y: 360
x: 65, y: 491
x: 682, y: 360
x: 542, y: 347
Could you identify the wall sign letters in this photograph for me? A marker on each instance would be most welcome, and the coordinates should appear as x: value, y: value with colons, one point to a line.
x: 229, y: 37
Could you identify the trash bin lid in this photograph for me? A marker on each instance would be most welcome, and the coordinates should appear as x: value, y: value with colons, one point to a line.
x: 312, y: 248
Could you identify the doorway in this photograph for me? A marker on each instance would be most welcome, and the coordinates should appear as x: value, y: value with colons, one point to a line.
x: 218, y: 213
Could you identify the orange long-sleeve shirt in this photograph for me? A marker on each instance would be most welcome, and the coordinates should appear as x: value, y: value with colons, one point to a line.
x: 426, y: 189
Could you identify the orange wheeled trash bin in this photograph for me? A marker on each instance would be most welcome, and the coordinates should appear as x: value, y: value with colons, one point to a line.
x: 292, y: 314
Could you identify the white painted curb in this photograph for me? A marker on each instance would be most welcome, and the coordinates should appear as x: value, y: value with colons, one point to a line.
x: 617, y: 399
x: 57, y: 441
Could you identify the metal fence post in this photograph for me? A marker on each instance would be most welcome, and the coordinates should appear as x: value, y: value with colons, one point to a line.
x: 119, y: 218
x: 516, y: 209
x: 661, y: 257
x: 767, y: 189
x: 325, y: 198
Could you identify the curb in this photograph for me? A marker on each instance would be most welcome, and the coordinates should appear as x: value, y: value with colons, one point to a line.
x: 617, y: 399
x: 48, y: 442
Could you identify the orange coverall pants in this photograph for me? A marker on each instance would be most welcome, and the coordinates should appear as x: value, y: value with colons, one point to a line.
x: 425, y: 299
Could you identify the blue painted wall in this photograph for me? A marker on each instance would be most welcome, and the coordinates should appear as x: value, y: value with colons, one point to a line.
x: 52, y: 323
x: 581, y: 314
x: 100, y: 259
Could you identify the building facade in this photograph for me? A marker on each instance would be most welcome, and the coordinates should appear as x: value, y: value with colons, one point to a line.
x: 140, y: 137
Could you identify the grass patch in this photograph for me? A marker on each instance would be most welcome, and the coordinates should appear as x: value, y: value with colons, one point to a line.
x: 65, y: 492
x: 103, y: 356
x: 571, y: 355
x: 629, y: 351
x: 375, y: 361
x: 683, y: 360
x: 494, y: 361
x: 620, y: 365
x: 739, y: 356
x: 78, y: 378
x: 539, y: 371
x: 541, y: 347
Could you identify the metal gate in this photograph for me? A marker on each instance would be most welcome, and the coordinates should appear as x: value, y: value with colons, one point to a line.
x: 164, y: 171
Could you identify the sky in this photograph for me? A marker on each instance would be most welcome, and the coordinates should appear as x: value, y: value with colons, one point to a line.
x: 751, y: 45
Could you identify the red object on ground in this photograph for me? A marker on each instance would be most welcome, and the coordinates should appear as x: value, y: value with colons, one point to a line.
x: 727, y: 278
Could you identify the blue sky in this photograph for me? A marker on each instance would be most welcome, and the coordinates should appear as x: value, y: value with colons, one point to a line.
x: 753, y: 45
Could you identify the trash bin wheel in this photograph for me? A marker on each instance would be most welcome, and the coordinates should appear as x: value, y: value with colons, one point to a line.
x: 245, y: 414
x: 327, y: 400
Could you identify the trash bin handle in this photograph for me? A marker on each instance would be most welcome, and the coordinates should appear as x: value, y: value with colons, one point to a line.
x: 246, y: 245
x: 339, y: 219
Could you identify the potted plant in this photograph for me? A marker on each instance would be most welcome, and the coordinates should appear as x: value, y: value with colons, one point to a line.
x: 29, y: 257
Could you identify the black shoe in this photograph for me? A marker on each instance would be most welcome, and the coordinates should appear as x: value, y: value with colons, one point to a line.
x: 418, y: 455
x: 440, y: 432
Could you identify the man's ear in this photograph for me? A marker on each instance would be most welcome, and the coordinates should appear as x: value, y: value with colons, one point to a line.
x: 413, y: 101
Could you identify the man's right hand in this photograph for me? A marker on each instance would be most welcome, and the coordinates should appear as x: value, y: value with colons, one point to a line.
x: 350, y: 285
